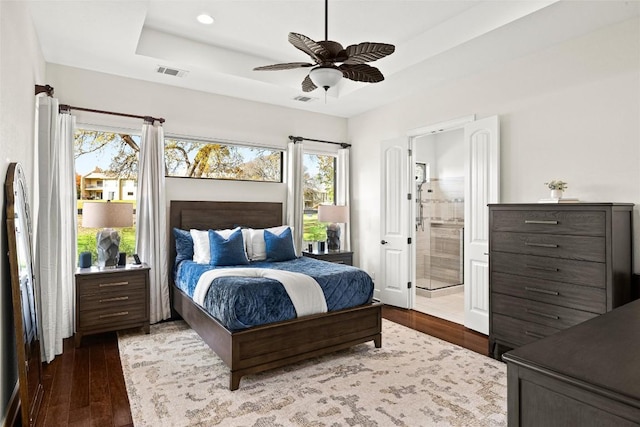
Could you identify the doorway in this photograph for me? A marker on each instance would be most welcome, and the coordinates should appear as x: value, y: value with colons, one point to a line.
x: 439, y: 163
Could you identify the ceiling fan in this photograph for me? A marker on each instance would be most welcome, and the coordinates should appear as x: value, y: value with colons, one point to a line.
x: 327, y: 54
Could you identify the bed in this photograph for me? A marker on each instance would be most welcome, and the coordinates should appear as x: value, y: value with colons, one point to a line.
x: 273, y: 345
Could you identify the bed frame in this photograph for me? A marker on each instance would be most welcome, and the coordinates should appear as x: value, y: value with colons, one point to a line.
x: 277, y: 344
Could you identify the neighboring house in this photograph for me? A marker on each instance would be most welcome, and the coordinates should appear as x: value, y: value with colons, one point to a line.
x: 98, y: 185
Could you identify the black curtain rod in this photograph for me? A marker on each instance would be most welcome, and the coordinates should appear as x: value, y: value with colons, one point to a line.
x: 67, y: 108
x: 296, y: 139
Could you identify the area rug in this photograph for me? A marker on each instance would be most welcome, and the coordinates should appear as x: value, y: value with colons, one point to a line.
x: 174, y: 379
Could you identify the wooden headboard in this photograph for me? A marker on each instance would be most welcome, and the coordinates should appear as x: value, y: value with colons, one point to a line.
x: 203, y: 215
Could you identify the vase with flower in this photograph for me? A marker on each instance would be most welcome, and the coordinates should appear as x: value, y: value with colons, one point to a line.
x: 557, y: 188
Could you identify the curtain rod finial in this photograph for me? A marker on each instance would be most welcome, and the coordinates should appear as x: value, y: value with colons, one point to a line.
x: 44, y: 89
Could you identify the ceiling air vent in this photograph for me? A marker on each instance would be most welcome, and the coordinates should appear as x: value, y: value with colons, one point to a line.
x: 171, y: 71
x: 303, y: 98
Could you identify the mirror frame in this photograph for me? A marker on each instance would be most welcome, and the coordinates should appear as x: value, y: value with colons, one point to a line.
x: 28, y: 353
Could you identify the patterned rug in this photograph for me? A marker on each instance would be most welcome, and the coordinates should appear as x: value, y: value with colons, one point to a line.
x: 174, y: 379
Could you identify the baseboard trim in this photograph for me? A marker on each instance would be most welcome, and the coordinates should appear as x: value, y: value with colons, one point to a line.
x: 12, y: 416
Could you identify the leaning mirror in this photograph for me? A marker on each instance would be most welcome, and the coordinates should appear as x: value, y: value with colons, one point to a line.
x: 24, y: 294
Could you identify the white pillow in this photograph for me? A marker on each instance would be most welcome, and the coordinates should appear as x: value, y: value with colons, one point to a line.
x: 202, y: 248
x: 257, y: 244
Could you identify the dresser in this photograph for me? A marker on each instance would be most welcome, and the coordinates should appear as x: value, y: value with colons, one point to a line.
x: 339, y: 257
x: 586, y: 375
x: 111, y: 299
x: 552, y: 266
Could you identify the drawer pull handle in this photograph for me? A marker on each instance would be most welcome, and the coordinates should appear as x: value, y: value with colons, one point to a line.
x: 548, y: 316
x: 540, y: 221
x: 541, y: 245
x: 535, y: 267
x: 107, y: 285
x: 114, y: 299
x: 533, y: 334
x: 122, y: 313
x: 541, y: 291
x: 338, y: 262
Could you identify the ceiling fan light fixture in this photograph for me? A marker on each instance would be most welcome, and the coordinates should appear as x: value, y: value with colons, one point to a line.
x: 325, y: 76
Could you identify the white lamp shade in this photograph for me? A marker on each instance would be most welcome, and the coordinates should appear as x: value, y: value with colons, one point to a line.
x: 107, y: 214
x: 325, y: 77
x: 333, y: 213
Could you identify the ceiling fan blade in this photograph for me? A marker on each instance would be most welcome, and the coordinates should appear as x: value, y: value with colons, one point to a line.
x: 315, y: 50
x: 285, y: 66
x: 361, y: 73
x: 367, y: 52
x: 307, y: 85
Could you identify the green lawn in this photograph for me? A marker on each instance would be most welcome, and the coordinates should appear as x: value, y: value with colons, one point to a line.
x: 314, y: 231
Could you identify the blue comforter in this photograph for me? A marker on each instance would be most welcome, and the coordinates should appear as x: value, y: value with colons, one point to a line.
x: 242, y: 302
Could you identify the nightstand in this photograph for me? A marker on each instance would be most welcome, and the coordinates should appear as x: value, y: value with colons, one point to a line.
x: 339, y: 257
x: 111, y: 299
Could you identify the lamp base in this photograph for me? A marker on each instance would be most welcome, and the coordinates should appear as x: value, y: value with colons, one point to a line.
x: 108, y: 247
x: 333, y: 237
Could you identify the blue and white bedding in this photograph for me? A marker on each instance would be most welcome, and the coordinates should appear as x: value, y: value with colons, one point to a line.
x: 241, y: 302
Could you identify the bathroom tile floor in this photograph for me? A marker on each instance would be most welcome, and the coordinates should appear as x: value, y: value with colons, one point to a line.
x: 448, y: 307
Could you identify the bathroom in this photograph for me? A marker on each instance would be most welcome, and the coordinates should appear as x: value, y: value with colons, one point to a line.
x: 439, y: 195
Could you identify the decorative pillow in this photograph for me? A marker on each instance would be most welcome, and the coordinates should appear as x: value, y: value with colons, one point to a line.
x: 227, y: 250
x: 184, y: 245
x: 279, y: 247
x: 201, y: 250
x: 256, y: 247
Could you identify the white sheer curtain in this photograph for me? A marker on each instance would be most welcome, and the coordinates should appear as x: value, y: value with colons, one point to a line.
x: 342, y: 194
x: 295, y: 192
x: 151, y: 221
x: 55, y: 233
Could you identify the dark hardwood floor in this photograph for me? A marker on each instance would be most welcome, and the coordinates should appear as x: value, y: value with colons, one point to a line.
x: 85, y: 386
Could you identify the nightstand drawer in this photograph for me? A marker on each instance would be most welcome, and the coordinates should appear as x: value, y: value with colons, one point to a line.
x: 538, y: 312
x: 585, y: 223
x: 114, y: 283
x: 519, y: 332
x: 557, y: 293
x: 560, y: 270
x: 582, y: 248
x: 99, y: 300
x: 112, y: 316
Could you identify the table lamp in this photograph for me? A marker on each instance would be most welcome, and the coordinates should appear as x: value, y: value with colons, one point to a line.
x: 107, y: 215
x: 333, y: 214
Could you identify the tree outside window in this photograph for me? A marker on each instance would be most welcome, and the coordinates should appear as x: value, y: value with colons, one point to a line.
x: 319, y: 188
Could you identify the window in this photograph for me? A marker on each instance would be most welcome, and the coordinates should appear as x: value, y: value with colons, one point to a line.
x: 106, y: 169
x: 197, y: 159
x: 319, y: 188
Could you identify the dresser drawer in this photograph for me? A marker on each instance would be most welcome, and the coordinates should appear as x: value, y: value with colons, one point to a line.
x: 559, y: 270
x: 112, y: 316
x: 557, y: 293
x: 585, y: 223
x: 115, y: 283
x: 583, y: 248
x: 518, y: 332
x: 538, y: 312
x: 133, y: 293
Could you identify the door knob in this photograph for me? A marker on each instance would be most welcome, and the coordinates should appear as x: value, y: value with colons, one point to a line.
x: 383, y: 242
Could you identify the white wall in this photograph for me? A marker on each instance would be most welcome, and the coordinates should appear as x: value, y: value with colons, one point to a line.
x: 21, y: 67
x: 195, y: 114
x: 570, y: 112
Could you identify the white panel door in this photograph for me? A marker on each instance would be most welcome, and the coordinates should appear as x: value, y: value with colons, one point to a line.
x: 482, y: 186
x: 392, y: 287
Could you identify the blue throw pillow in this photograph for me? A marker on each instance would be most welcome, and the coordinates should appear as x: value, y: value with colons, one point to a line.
x: 279, y: 247
x: 184, y: 245
x: 227, y: 251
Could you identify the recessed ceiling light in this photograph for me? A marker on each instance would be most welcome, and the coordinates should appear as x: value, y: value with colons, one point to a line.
x: 204, y: 18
